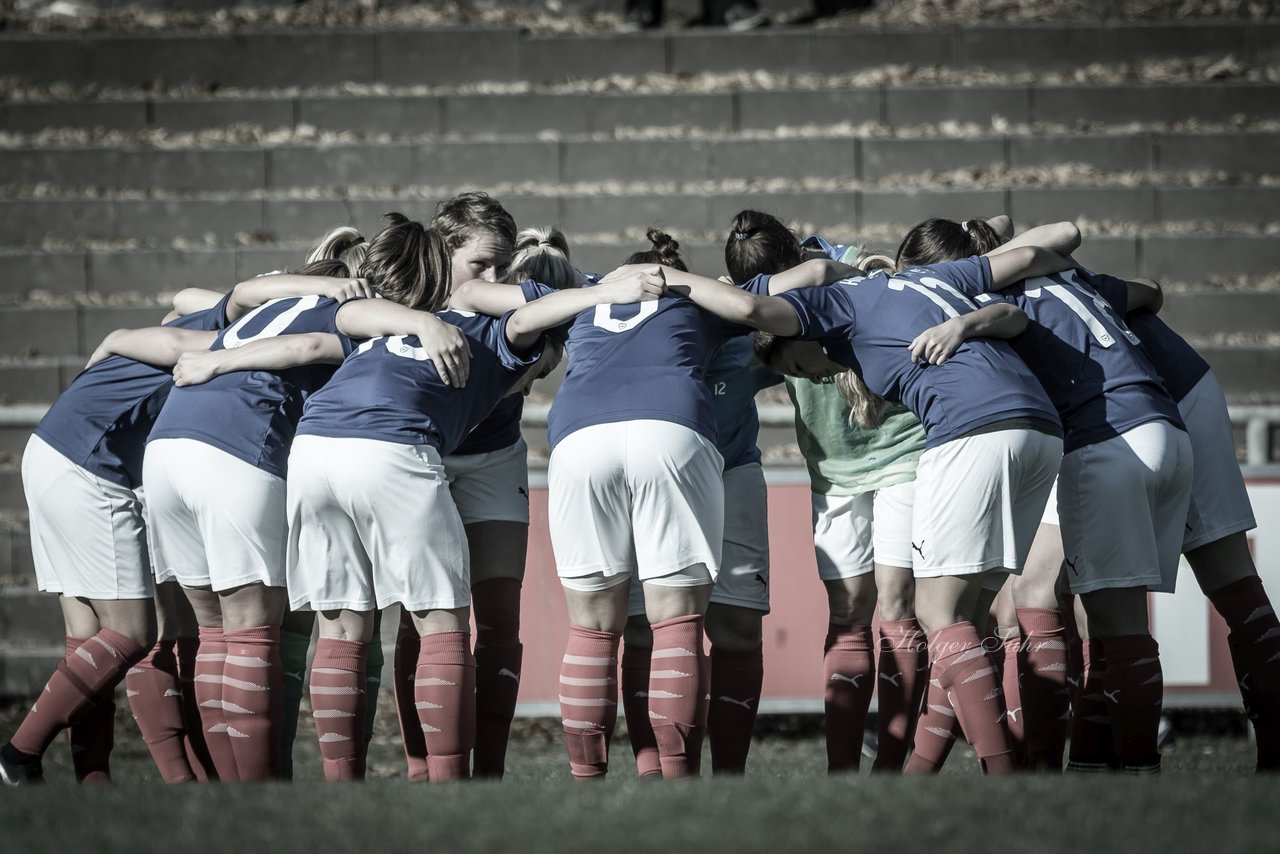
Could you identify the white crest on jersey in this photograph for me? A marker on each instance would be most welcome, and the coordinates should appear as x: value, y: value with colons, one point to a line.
x: 605, y: 320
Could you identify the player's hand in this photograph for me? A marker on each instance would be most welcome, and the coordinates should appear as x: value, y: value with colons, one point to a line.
x: 355, y: 289
x: 634, y: 283
x: 195, y: 367
x: 934, y: 346
x: 447, y: 349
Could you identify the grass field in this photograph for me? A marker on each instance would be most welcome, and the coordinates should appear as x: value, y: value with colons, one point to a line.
x: 1205, y: 800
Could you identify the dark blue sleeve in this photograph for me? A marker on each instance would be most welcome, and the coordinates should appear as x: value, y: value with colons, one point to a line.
x: 1114, y: 291
x: 823, y: 312
x: 495, y: 336
x: 758, y: 286
x: 216, y: 318
x: 534, y: 290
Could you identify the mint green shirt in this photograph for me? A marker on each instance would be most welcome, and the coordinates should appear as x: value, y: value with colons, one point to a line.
x: 846, y: 459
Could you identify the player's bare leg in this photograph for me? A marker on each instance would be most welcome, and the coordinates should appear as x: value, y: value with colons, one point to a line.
x: 1041, y: 653
x: 903, y: 667
x: 589, y: 673
x: 253, y: 677
x: 946, y: 607
x: 339, y: 700
x: 445, y: 691
x: 679, y: 677
x: 1133, y: 686
x: 737, y: 675
x: 848, y: 667
x: 1227, y: 575
x: 498, y: 551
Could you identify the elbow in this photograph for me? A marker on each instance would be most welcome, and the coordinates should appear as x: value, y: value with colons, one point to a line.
x: 1067, y: 238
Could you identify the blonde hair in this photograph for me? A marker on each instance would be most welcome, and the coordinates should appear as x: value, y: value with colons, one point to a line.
x: 542, y: 254
x: 345, y: 244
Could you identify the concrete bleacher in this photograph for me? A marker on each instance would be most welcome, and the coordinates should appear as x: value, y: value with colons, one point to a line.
x: 137, y: 163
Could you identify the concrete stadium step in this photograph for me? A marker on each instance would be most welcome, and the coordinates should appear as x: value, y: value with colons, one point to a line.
x: 1187, y: 255
x: 29, y: 616
x: 567, y: 113
x: 24, y: 669
x: 248, y: 168
x: 33, y: 221
x: 407, y: 57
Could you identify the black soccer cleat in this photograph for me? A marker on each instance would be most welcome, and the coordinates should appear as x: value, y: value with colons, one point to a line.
x: 18, y: 769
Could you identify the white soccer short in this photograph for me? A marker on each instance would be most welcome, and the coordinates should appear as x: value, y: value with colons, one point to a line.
x: 371, y: 523
x: 634, y: 497
x: 852, y: 533
x: 1050, y: 516
x: 743, y: 581
x: 216, y: 521
x: 979, y: 500
x: 88, y: 537
x: 491, y: 487
x: 1219, y: 499
x: 1123, y: 505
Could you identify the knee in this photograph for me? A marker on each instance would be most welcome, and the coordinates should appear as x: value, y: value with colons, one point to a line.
x: 896, y: 596
x: 852, y: 601
x: 734, y: 629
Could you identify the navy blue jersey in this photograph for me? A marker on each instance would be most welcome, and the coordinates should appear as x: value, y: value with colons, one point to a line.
x: 102, y: 420
x: 389, y: 390
x: 1178, y: 363
x: 867, y: 324
x: 1087, y: 359
x: 735, y: 375
x: 640, y: 361
x: 253, y: 415
x: 501, y: 429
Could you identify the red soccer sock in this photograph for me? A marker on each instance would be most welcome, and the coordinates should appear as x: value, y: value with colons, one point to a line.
x: 87, y: 675
x: 902, y: 678
x: 499, y: 654
x: 848, y: 672
x: 1255, y: 653
x: 92, y: 735
x: 198, y: 758
x: 1092, y: 746
x: 338, y: 706
x: 635, y: 705
x: 444, y: 690
x: 678, y: 681
x: 404, y: 666
x: 211, y: 661
x: 936, y: 731
x: 1010, y: 687
x: 589, y: 699
x: 253, y: 700
x: 736, y: 680
x: 1042, y: 662
x: 969, y: 677
x: 1134, y: 690
x: 155, y: 696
